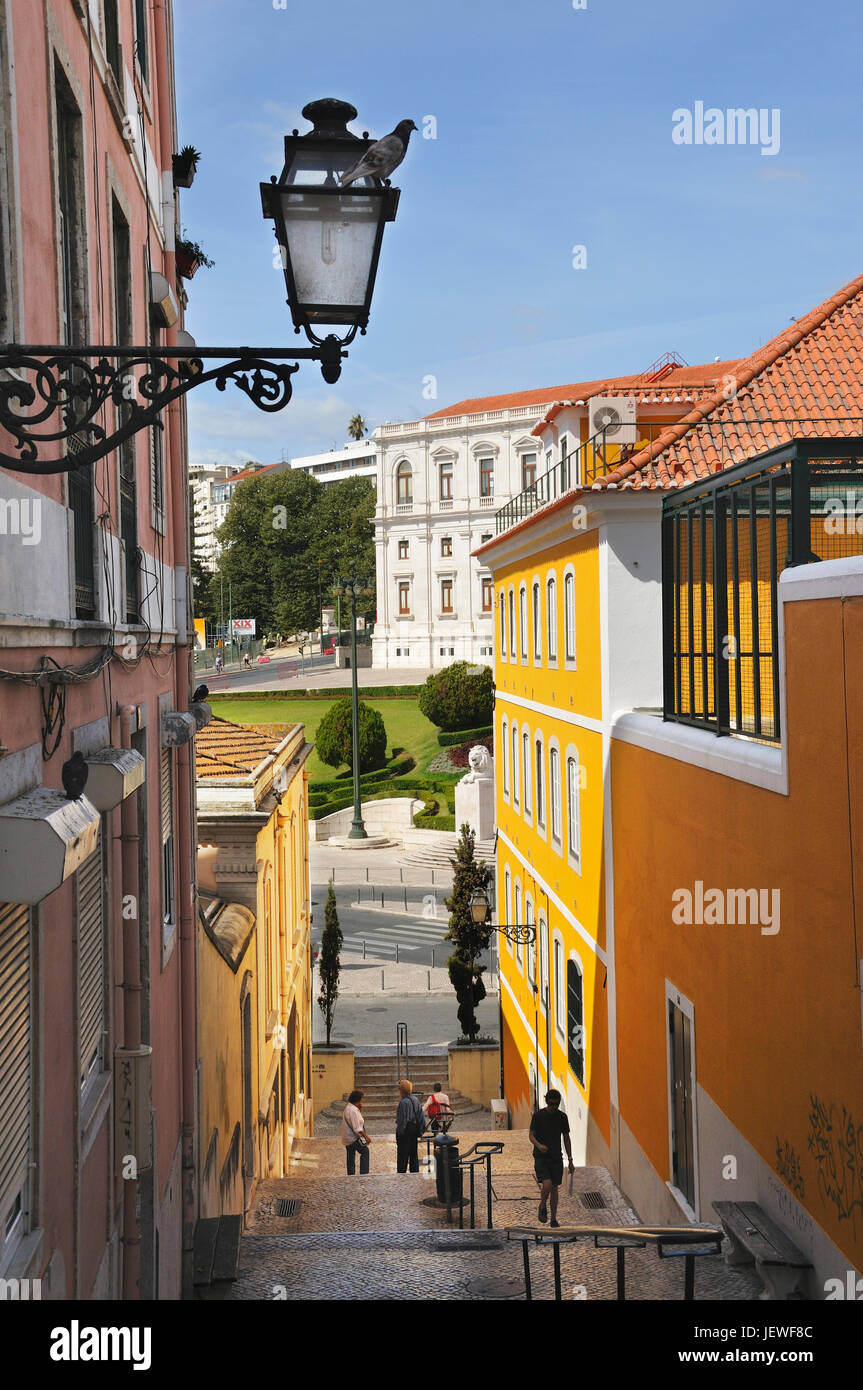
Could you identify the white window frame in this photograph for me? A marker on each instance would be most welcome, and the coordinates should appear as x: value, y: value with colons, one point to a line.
x: 575, y: 959
x: 559, y: 978
x: 541, y: 786
x: 522, y: 621
x: 536, y: 590
x: 569, y: 627
x: 507, y: 901
x: 504, y: 762
x: 573, y: 807
x: 512, y: 623
x: 502, y: 606
x: 519, y: 946
x: 526, y: 772
x: 542, y: 932
x: 555, y: 796
x: 529, y: 921
x: 514, y: 764
x: 551, y: 618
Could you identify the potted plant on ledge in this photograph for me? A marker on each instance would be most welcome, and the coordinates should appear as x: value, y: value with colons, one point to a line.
x: 190, y: 256
x: 184, y: 166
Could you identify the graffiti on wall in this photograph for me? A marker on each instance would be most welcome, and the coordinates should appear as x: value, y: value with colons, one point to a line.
x: 789, y: 1168
x: 836, y: 1145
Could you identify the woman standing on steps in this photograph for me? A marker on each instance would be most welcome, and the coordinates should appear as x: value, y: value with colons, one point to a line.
x: 354, y: 1136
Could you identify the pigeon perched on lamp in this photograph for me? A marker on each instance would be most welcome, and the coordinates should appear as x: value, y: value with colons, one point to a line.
x: 74, y: 774
x: 383, y: 157
x: 200, y: 694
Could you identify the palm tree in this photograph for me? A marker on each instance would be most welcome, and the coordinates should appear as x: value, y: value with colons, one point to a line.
x: 357, y: 428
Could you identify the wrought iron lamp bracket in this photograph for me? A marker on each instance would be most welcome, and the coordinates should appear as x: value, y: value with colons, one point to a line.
x: 52, y: 398
x: 524, y: 935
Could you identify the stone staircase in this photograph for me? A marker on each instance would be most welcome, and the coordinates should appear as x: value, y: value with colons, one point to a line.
x: 378, y: 1078
x: 436, y: 849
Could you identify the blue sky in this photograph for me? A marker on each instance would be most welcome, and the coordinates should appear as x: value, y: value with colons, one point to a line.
x: 554, y: 130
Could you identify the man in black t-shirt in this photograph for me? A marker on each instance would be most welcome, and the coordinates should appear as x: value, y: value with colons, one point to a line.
x: 547, y: 1128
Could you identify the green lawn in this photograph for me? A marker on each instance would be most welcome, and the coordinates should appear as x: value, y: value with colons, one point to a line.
x: 406, y: 727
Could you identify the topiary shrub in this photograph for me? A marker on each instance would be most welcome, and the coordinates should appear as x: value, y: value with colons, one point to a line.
x: 333, y: 740
x: 458, y: 697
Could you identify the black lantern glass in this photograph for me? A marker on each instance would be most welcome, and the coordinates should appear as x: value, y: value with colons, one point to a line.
x: 329, y: 236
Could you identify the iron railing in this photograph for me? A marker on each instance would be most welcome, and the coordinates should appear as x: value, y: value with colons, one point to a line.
x: 725, y: 541
x: 686, y: 1242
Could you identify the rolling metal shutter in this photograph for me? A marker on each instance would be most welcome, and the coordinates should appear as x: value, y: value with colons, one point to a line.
x: 15, y: 1065
x: 91, y: 961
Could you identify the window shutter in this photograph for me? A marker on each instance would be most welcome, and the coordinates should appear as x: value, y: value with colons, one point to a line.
x: 14, y: 1050
x: 91, y: 961
x: 165, y: 795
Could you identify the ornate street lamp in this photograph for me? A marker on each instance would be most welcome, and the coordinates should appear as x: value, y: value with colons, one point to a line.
x: 354, y: 589
x: 53, y: 399
x: 330, y: 237
x: 515, y: 931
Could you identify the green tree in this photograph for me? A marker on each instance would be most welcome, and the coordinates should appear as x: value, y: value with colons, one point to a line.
x: 461, y: 696
x: 343, y: 536
x: 334, y: 739
x: 266, y: 555
x: 329, y: 963
x: 357, y: 428
x: 470, y: 937
x: 202, y: 597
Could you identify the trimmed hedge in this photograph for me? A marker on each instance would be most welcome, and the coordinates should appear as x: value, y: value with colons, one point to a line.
x: 425, y: 822
x: 450, y: 740
x: 371, y: 692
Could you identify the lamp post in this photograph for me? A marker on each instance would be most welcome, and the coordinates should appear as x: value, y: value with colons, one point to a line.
x: 354, y: 589
x: 65, y: 407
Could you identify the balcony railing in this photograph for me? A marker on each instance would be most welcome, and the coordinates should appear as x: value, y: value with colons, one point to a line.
x: 599, y: 455
x: 725, y: 542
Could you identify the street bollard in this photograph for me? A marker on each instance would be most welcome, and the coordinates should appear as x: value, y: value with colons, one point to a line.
x: 432, y: 957
x: 364, y: 948
x: 447, y: 1173
x: 406, y: 899
x: 429, y: 982
x: 397, y: 953
x: 382, y: 979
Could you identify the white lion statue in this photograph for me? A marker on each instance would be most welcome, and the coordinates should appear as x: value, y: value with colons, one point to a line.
x: 481, y: 767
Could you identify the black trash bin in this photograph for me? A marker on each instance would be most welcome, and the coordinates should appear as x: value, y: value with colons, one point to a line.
x: 446, y: 1159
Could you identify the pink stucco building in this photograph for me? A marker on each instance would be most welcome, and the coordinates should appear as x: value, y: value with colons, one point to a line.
x: 97, y: 930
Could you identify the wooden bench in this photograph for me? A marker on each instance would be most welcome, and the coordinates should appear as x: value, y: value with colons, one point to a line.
x: 755, y: 1237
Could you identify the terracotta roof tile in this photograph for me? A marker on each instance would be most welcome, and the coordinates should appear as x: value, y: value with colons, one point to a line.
x: 806, y: 380
x: 232, y: 751
x: 678, y: 380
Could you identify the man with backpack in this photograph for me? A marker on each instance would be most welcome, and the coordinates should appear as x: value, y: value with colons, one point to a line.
x: 410, y: 1127
x: 439, y: 1109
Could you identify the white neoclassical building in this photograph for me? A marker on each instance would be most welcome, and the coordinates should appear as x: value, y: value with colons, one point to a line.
x: 440, y: 480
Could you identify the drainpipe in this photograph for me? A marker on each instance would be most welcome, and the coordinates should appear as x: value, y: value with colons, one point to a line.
x: 177, y: 503
x: 132, y: 927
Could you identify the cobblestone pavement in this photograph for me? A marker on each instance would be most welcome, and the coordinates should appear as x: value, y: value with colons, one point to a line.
x: 378, y: 1237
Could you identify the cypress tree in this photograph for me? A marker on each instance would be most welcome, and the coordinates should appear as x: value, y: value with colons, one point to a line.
x: 471, y: 938
x: 329, y: 964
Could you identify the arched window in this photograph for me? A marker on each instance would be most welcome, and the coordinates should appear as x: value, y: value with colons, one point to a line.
x: 522, y: 620
x: 507, y: 882
x: 512, y: 624
x: 558, y: 985
x: 505, y: 758
x: 537, y: 622
x: 573, y: 808
x: 551, y: 617
x: 519, y: 947
x: 540, y: 785
x: 503, y: 628
x: 554, y: 791
x: 575, y: 1019
x: 531, y: 949
x: 569, y: 615
x: 515, y: 772
x: 525, y: 766
x: 404, y: 483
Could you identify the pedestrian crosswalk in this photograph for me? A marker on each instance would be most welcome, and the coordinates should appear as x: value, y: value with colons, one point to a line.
x: 410, y: 936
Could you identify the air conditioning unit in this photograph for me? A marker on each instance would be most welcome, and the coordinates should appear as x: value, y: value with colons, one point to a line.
x: 615, y: 415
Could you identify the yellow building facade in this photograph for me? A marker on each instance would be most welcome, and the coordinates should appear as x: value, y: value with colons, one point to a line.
x: 573, y: 583
x: 254, y: 958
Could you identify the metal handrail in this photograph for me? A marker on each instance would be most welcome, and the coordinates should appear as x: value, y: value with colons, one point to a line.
x: 402, y: 1051
x: 484, y: 1149
x: 688, y: 1242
